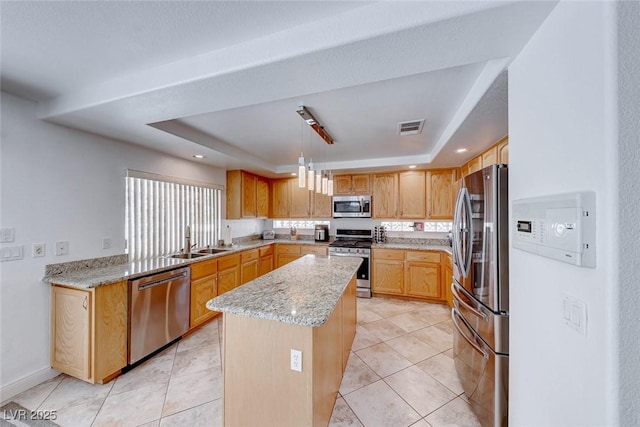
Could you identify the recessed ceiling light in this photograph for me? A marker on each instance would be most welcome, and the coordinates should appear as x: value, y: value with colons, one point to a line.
x: 198, y: 156
x: 294, y: 174
x: 412, y: 167
x: 462, y: 150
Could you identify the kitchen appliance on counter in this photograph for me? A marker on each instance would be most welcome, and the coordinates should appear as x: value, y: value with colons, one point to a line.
x: 268, y: 235
x: 322, y: 233
x: 351, y: 206
x: 158, y: 311
x: 356, y: 243
x: 480, y: 291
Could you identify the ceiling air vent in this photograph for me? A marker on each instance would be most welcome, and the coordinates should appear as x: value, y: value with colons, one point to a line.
x: 413, y: 127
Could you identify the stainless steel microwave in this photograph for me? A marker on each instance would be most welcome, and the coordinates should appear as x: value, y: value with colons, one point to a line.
x: 352, y: 206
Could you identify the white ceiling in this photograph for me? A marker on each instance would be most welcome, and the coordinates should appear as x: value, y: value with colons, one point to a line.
x: 224, y: 79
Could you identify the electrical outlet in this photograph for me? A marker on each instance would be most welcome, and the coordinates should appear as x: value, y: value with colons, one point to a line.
x: 62, y: 248
x: 106, y: 243
x: 38, y: 250
x: 296, y: 360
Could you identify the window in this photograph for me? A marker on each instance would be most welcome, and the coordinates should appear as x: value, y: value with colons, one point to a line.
x: 158, y: 210
x: 428, y: 226
x: 299, y: 224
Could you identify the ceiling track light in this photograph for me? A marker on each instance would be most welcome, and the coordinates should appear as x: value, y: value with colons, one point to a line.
x: 311, y: 121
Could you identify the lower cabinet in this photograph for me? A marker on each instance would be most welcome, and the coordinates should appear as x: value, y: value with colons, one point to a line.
x: 249, y: 266
x: 89, y: 331
x: 265, y: 260
x: 228, y: 273
x: 447, y: 278
x: 416, y: 274
x: 286, y: 253
x: 204, y: 286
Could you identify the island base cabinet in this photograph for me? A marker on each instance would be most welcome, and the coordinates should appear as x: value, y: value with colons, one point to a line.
x: 89, y: 331
x: 259, y: 386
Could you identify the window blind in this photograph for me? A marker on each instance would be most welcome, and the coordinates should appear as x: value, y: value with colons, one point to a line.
x: 158, y: 212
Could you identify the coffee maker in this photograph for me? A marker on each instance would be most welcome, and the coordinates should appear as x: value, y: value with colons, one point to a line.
x: 322, y: 233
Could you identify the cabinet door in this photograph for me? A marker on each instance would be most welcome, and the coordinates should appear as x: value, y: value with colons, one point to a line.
x: 284, y: 259
x: 440, y: 196
x: 202, y: 290
x: 342, y: 184
x: 249, y: 195
x: 249, y: 271
x: 447, y: 279
x: 280, y: 198
x: 475, y: 165
x: 299, y: 200
x: 262, y: 197
x: 490, y: 157
x: 384, y: 195
x: 265, y: 265
x: 412, y: 194
x: 321, y: 206
x: 314, y: 249
x: 503, y: 152
x: 70, y: 331
x: 109, y: 325
x: 361, y: 184
x: 228, y: 279
x: 388, y: 276
x: 423, y: 279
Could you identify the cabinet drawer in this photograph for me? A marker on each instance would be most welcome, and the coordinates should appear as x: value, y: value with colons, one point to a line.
x: 250, y: 255
x: 204, y: 268
x: 388, y: 254
x: 289, y: 249
x: 316, y: 250
x: 228, y: 261
x: 267, y: 250
x: 421, y: 256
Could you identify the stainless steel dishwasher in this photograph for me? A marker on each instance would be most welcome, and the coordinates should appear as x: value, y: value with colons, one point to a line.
x: 158, y: 311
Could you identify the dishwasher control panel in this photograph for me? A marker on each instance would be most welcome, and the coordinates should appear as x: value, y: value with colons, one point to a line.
x: 560, y: 227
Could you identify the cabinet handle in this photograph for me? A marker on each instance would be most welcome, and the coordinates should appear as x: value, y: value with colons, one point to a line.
x: 84, y: 303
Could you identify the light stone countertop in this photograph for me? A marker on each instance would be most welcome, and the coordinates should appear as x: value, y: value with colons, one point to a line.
x: 303, y: 292
x: 86, y: 275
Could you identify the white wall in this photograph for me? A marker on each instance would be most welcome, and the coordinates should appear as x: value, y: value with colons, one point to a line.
x: 60, y: 184
x: 562, y: 138
x: 629, y: 214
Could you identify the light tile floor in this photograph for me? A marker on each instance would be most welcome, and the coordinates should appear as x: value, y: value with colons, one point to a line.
x: 400, y: 373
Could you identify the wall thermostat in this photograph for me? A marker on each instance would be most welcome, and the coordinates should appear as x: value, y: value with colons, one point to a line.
x: 561, y: 227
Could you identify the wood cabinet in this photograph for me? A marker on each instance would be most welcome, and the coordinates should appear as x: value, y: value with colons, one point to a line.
x: 475, y: 164
x: 321, y: 206
x: 503, y: 151
x: 246, y: 195
x: 352, y: 184
x: 89, y: 331
x: 228, y: 273
x: 384, y: 197
x: 265, y: 259
x: 415, y: 274
x: 422, y: 274
x: 440, y: 193
x: 412, y: 195
x: 300, y: 207
x: 490, y: 157
x: 447, y: 278
x: 287, y: 253
x: 319, y: 250
x: 280, y: 198
x: 388, y: 272
x: 204, y: 286
x: 248, y: 266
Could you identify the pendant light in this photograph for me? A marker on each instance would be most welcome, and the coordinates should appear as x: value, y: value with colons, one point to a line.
x: 301, y: 168
x: 311, y: 175
x: 319, y: 181
x: 330, y: 185
x: 325, y: 184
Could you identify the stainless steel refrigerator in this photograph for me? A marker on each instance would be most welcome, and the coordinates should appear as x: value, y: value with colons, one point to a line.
x: 480, y: 291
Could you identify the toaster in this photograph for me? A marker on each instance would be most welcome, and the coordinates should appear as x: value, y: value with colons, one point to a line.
x: 268, y: 235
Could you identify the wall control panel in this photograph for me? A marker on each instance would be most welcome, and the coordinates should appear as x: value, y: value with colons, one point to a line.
x: 561, y: 227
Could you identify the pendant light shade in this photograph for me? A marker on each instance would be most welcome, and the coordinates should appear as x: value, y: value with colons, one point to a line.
x: 311, y: 175
x: 301, y: 171
x: 330, y: 186
x: 325, y: 184
x: 319, y: 182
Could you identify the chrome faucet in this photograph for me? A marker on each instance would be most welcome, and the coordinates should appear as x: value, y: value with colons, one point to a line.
x: 187, y: 240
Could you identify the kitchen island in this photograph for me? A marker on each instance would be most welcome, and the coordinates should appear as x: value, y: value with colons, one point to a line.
x: 308, y: 306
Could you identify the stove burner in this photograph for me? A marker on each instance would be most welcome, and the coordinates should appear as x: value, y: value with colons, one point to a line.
x: 351, y: 244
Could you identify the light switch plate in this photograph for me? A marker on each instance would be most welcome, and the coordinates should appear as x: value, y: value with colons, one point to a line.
x: 106, y: 243
x: 7, y: 235
x: 574, y: 314
x: 62, y: 248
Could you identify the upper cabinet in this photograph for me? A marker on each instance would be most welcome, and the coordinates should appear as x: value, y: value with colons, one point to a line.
x: 384, y: 197
x: 288, y: 200
x: 440, y: 193
x: 496, y: 154
x: 503, y: 151
x: 352, y: 184
x: 412, y: 195
x: 247, y: 195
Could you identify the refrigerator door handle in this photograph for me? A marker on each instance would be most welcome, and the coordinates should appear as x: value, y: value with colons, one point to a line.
x: 457, y: 298
x: 454, y: 315
x: 457, y: 227
x: 467, y: 231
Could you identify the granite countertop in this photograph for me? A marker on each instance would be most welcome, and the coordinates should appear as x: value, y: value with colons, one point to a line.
x: 412, y: 247
x: 303, y: 292
x: 87, y: 274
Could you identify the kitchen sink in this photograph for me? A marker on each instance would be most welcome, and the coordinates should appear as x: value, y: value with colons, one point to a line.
x: 212, y: 251
x: 186, y: 256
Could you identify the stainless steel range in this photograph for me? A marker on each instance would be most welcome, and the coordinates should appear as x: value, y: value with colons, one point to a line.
x: 356, y: 243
